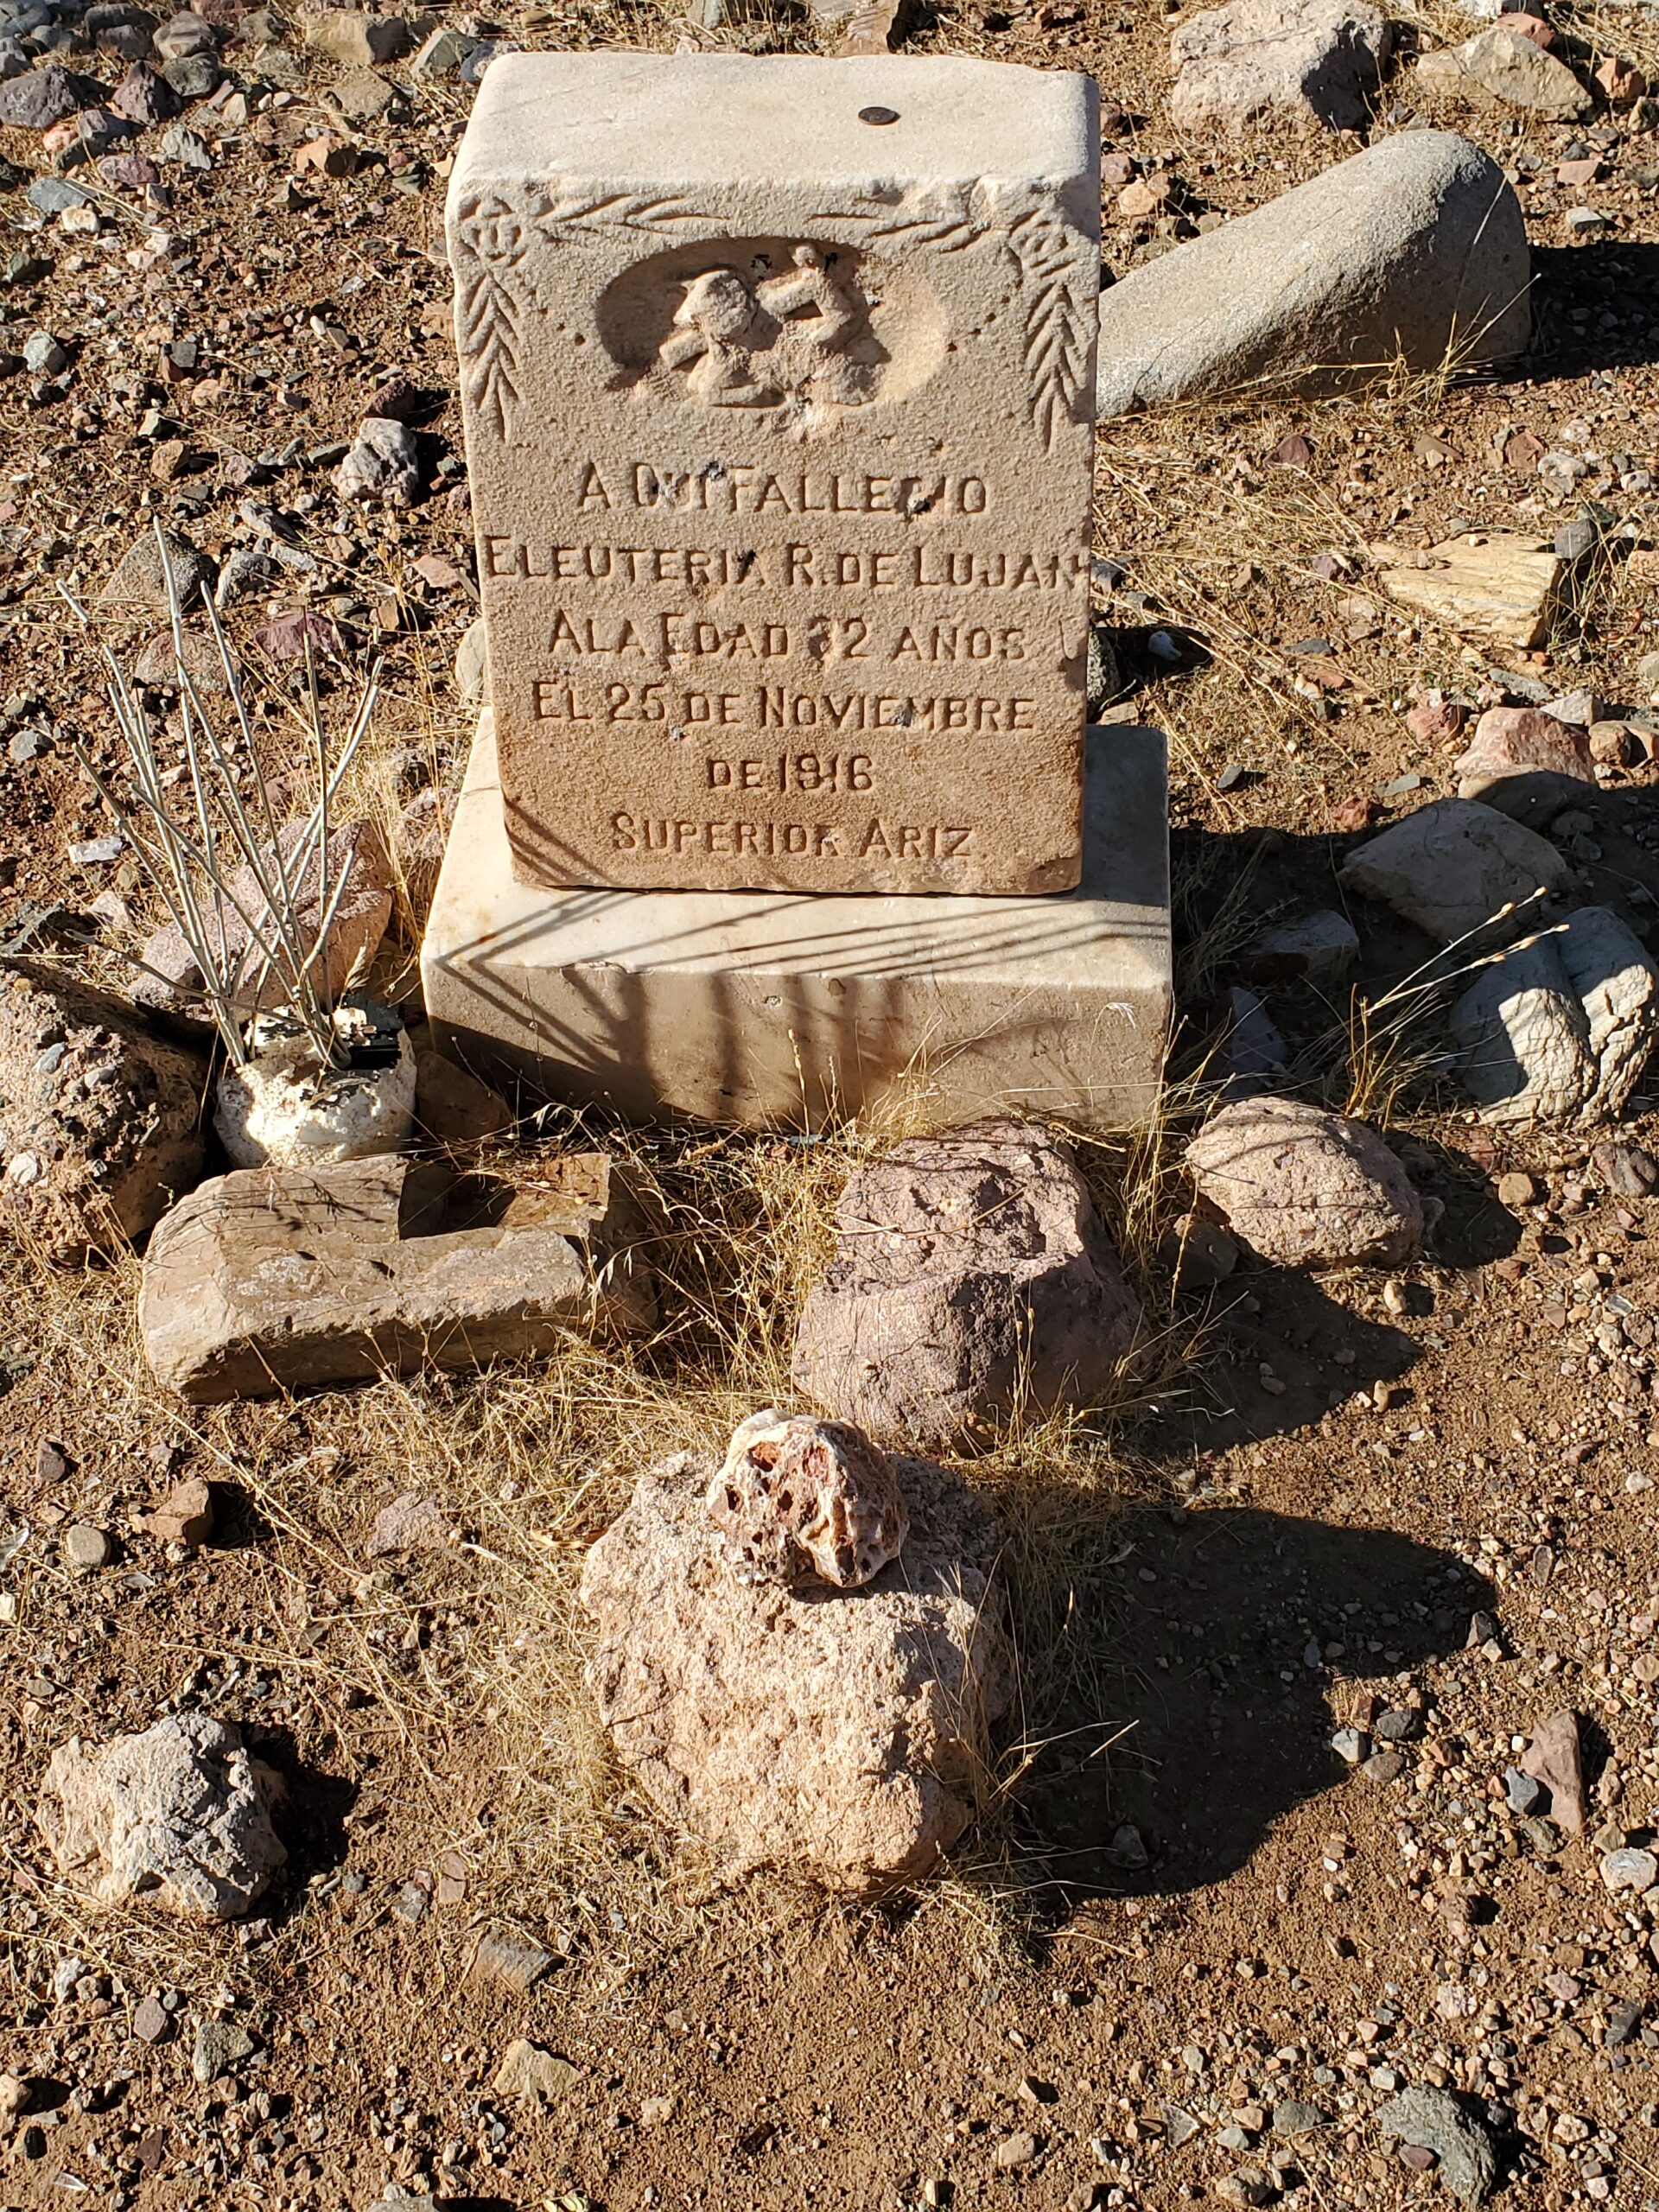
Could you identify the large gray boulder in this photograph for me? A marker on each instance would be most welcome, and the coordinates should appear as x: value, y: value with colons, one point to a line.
x: 971, y: 1278
x: 180, y: 1815
x: 841, y: 1734
x: 1414, y: 249
x: 1455, y: 865
x: 1557, y: 1032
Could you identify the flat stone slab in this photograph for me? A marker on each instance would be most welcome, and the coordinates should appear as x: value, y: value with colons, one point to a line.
x: 777, y: 379
x: 282, y: 1279
x: 755, y: 1009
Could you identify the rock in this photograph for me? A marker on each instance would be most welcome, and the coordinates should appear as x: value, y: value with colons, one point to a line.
x: 1525, y: 763
x: 1516, y: 72
x: 1019, y: 2150
x: 195, y: 649
x: 835, y: 1734
x: 452, y: 1106
x: 1412, y: 249
x: 151, y: 2021
x: 183, y: 35
x: 1350, y: 1746
x: 98, y: 1118
x: 443, y: 53
x: 140, y: 578
x: 272, y: 1278
x: 143, y: 98
x: 187, y: 148
x: 185, y: 1516
x: 1245, y: 2186
x: 180, y: 1815
x: 1453, y: 866
x: 1497, y: 585
x: 220, y: 2048
x: 529, y: 2075
x: 1556, y: 1033
x: 1432, y: 2119
x: 360, y: 912
x: 517, y: 1964
x: 40, y: 98
x: 86, y: 1548
x: 43, y: 356
x: 970, y: 1279
x: 409, y: 1523
x: 192, y: 76
x: 383, y: 464
x: 15, y: 2090
x: 1321, y: 948
x: 1516, y: 1189
x: 1300, y: 62
x: 1629, y: 1169
x: 1553, y: 1758
x: 356, y: 40
x: 799, y: 1502
x: 1521, y: 1793
x: 1200, y: 1254
x: 1630, y: 1869
x: 1252, y: 1054
x: 1304, y: 1187
x: 363, y: 96
x: 1294, y: 2118
x: 472, y: 663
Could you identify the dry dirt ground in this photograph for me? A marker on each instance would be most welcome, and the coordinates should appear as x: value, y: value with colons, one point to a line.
x: 1183, y: 1916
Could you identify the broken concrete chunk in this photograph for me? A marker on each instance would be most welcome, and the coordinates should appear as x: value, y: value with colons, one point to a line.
x: 273, y: 1279
x: 180, y: 1815
x: 799, y: 1501
x: 1412, y: 251
x: 837, y: 1734
x: 970, y: 1275
x: 1498, y: 585
x: 1304, y: 1187
x: 1557, y: 1032
x: 1304, y: 63
x: 1454, y: 865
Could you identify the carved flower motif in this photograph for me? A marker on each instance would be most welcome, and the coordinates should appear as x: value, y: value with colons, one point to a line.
x: 497, y: 232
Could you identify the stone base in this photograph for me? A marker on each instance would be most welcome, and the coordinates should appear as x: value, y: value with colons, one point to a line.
x: 764, y: 1007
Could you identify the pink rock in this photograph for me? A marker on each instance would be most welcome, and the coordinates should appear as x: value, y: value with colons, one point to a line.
x: 1553, y: 1758
x: 1511, y: 742
x: 1622, y: 81
x: 801, y: 1501
x: 1532, y: 27
x: 1578, y: 174
x: 1437, y: 719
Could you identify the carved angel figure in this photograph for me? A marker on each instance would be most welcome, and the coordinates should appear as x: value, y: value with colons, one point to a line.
x: 713, y: 330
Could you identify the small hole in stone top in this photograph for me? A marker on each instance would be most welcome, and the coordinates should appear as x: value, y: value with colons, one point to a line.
x: 784, y: 1500
x: 731, y: 1501
x: 878, y: 115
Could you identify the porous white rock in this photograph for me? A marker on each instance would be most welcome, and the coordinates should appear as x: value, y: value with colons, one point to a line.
x: 839, y: 1734
x: 800, y: 1501
x: 1304, y: 1187
x: 1453, y: 865
x: 180, y: 1815
x: 1557, y: 1032
x: 283, y: 1108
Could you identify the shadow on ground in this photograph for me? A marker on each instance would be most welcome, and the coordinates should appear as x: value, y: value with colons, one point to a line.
x: 1237, y: 1632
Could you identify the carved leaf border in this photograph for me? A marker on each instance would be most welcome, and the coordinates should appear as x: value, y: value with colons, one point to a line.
x: 1042, y: 247
x: 495, y: 290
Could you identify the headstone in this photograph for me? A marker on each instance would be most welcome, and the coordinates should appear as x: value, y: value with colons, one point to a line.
x: 777, y: 380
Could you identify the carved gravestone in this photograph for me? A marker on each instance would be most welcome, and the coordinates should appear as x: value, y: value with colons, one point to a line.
x: 778, y: 381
